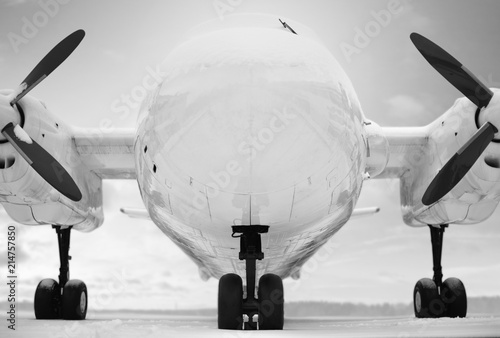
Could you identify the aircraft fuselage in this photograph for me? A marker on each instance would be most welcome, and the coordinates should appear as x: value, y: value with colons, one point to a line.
x: 251, y: 126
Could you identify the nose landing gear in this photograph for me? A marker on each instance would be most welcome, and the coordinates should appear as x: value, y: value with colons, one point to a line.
x: 236, y: 312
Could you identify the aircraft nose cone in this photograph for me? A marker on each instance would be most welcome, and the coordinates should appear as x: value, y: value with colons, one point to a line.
x: 253, y: 126
x: 263, y: 112
x: 253, y: 140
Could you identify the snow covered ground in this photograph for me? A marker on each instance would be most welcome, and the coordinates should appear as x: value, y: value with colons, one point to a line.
x: 136, y: 325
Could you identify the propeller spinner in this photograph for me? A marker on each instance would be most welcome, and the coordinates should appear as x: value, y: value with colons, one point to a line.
x: 39, y: 159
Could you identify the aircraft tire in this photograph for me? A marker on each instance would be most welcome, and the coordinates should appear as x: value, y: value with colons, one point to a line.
x: 271, y: 302
x: 230, y: 302
x: 74, y: 300
x: 47, y: 299
x: 426, y: 300
x: 454, y: 297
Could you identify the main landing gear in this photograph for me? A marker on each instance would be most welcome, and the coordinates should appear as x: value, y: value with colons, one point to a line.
x: 433, y: 298
x: 266, y: 312
x: 66, y: 299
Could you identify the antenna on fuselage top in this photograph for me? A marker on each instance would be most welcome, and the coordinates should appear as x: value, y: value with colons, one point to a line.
x: 287, y: 26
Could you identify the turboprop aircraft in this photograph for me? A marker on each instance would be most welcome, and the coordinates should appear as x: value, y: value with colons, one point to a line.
x: 250, y: 155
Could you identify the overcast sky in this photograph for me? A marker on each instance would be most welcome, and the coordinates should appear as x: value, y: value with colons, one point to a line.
x: 130, y: 264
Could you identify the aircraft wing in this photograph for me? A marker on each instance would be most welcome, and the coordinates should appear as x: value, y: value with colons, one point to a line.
x: 142, y: 213
x: 360, y: 212
x: 110, y: 155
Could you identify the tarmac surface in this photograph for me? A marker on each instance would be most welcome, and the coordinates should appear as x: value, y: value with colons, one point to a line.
x: 145, y: 326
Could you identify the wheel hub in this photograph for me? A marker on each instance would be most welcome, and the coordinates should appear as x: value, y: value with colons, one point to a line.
x: 418, y: 301
x: 83, y: 302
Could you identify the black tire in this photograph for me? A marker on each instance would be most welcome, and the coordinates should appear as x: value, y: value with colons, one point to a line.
x: 47, y: 299
x: 271, y: 301
x: 454, y: 297
x: 426, y: 300
x: 74, y: 300
x: 230, y: 304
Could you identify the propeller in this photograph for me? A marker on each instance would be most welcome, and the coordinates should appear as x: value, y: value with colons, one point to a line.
x: 39, y: 159
x: 469, y: 85
x: 48, y: 64
x: 43, y: 163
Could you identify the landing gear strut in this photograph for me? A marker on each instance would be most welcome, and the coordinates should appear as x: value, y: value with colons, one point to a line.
x: 66, y: 299
x: 433, y: 298
x: 236, y: 312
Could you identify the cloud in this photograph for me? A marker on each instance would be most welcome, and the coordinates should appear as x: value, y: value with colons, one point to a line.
x: 168, y: 286
x: 3, y: 47
x: 114, y: 55
x: 474, y: 270
x: 12, y: 3
x: 413, y: 18
x: 407, y: 104
x: 386, y: 277
x: 406, y: 110
x: 420, y: 22
x: 21, y: 256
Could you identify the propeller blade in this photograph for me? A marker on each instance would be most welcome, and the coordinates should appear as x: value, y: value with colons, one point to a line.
x: 50, y: 62
x: 43, y: 163
x: 453, y: 71
x: 456, y: 168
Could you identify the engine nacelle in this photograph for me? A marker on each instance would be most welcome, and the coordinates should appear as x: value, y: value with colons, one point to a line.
x: 25, y: 195
x: 476, y: 196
